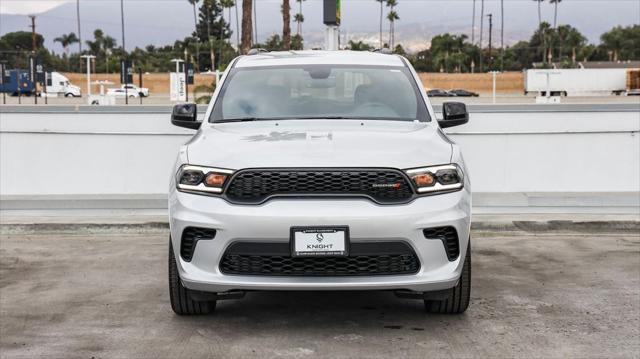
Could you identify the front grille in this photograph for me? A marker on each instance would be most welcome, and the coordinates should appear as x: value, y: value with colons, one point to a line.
x: 385, y: 186
x: 274, y: 259
x: 449, y: 237
x: 190, y: 237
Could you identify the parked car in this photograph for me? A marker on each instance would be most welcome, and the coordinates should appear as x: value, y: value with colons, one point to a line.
x: 142, y: 91
x: 319, y: 170
x: 463, y: 93
x: 438, y: 93
x: 120, y: 92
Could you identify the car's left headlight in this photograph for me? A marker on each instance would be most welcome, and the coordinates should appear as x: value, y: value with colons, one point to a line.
x: 443, y: 178
x: 209, y: 180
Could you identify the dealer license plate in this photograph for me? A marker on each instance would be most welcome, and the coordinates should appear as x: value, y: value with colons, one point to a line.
x: 319, y: 241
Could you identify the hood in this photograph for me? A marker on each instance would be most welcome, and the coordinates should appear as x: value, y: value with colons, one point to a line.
x: 319, y: 143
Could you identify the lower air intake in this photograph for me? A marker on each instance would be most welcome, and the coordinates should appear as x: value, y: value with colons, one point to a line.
x: 449, y: 237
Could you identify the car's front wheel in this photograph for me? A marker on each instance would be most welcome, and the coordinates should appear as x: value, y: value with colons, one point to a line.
x: 181, y: 301
x: 459, y: 296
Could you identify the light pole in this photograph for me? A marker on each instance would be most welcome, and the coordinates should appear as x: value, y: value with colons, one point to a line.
x: 124, y: 48
x: 79, y: 32
x: 89, y: 58
x: 481, y: 31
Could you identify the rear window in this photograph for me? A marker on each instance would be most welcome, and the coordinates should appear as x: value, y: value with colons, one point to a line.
x: 320, y: 91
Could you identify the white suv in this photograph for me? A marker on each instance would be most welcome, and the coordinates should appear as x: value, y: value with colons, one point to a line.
x: 316, y: 170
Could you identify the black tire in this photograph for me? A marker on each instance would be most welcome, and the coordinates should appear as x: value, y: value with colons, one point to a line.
x: 458, y: 300
x: 69, y: 95
x: 180, y: 297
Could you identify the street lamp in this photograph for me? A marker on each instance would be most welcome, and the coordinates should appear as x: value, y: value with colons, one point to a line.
x: 89, y: 58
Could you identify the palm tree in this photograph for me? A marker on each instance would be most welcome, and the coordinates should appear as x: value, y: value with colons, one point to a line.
x: 392, y: 16
x: 66, y: 40
x: 542, y: 41
x: 299, y: 19
x: 286, y: 26
x: 194, y: 3
x: 381, y: 2
x: 247, y: 26
x: 555, y: 12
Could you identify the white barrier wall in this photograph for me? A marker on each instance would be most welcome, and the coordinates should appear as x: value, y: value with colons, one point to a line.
x: 510, y: 150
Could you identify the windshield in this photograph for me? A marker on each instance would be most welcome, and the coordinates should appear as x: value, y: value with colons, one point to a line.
x: 319, y: 92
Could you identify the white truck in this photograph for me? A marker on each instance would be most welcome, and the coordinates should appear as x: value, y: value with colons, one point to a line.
x: 59, y: 85
x: 576, y: 82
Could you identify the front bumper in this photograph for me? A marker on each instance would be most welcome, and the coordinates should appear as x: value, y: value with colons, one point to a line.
x: 367, y: 221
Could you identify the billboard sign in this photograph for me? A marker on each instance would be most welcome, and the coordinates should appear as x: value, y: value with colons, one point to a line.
x: 332, y: 12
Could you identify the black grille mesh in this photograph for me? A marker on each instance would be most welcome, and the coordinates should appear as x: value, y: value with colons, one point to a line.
x: 190, y: 237
x: 382, y: 185
x: 263, y: 259
x: 449, y: 238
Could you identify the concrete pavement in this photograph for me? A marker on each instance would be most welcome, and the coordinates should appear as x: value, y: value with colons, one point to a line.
x: 104, y: 295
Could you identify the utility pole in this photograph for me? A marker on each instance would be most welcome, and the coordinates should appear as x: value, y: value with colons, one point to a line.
x: 79, y: 32
x: 473, y: 25
x: 124, y: 51
x: 501, y: 35
x: 32, y: 60
x: 124, y: 48
x: 490, y: 16
x: 33, y: 33
x: 255, y: 21
x: 481, y: 31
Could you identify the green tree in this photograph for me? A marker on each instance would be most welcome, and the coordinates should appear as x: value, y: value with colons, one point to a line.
x: 211, y: 27
x: 622, y: 43
x: 449, y: 53
x: 297, y: 42
x: 359, y: 46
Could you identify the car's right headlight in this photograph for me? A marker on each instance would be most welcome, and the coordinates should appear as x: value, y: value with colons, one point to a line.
x: 443, y: 178
x: 207, y: 180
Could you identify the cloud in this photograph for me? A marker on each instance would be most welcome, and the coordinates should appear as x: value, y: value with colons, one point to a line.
x: 28, y: 7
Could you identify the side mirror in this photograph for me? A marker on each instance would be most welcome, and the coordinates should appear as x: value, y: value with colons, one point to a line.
x: 185, y: 115
x: 453, y: 114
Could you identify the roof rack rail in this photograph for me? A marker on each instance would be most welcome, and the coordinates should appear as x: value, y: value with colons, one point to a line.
x: 384, y: 50
x: 256, y: 51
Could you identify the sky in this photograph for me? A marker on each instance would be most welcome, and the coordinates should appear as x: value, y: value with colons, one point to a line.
x: 161, y: 22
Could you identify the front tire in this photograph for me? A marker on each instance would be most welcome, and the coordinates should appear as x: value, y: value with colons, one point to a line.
x: 459, y: 296
x: 180, y: 297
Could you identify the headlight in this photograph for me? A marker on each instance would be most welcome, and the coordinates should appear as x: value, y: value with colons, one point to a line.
x: 437, y: 178
x: 202, y: 179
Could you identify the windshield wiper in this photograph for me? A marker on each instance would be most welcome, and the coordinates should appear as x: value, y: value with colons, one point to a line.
x: 244, y: 119
x: 324, y: 118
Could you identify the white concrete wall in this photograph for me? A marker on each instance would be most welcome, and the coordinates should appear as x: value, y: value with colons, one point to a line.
x: 508, y: 150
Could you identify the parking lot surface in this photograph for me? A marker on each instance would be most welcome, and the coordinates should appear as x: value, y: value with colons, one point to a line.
x: 105, y: 296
